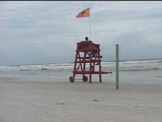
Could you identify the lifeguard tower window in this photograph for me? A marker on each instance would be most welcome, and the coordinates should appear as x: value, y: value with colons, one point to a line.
x: 84, y: 57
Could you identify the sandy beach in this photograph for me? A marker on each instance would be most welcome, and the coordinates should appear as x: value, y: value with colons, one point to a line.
x: 23, y: 101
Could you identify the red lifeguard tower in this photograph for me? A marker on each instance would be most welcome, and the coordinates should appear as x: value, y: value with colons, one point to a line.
x: 84, y: 56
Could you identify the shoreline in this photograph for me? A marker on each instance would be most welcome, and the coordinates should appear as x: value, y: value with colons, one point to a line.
x: 94, y: 80
x: 24, y: 101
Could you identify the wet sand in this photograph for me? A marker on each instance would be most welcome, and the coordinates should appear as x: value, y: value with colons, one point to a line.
x: 24, y: 101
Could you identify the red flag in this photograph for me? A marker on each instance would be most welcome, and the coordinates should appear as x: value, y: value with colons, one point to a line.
x: 84, y: 13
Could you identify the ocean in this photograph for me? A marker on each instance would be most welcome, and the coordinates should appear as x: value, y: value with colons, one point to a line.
x: 135, y: 71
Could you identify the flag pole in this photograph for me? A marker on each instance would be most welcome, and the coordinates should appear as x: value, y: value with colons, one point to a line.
x: 89, y: 23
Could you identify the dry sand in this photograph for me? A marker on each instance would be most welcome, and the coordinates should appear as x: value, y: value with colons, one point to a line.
x: 79, y: 102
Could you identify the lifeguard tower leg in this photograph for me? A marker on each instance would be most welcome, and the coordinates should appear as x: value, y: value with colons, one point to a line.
x: 90, y: 78
x: 100, y: 78
x: 74, y: 75
x: 84, y: 66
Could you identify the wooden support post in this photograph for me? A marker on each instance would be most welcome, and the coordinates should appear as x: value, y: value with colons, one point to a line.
x: 117, y: 66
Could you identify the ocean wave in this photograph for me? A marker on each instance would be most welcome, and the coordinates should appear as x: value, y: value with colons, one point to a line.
x: 24, y: 70
x: 123, y: 66
x: 44, y: 69
x: 142, y: 69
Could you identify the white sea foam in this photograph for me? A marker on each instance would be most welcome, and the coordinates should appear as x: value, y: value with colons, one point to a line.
x: 129, y: 70
x: 124, y: 66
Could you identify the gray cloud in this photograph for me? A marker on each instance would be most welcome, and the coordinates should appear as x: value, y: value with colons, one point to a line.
x: 47, y: 31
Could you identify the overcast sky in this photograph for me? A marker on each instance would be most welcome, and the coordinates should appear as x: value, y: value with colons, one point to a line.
x: 39, y: 32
